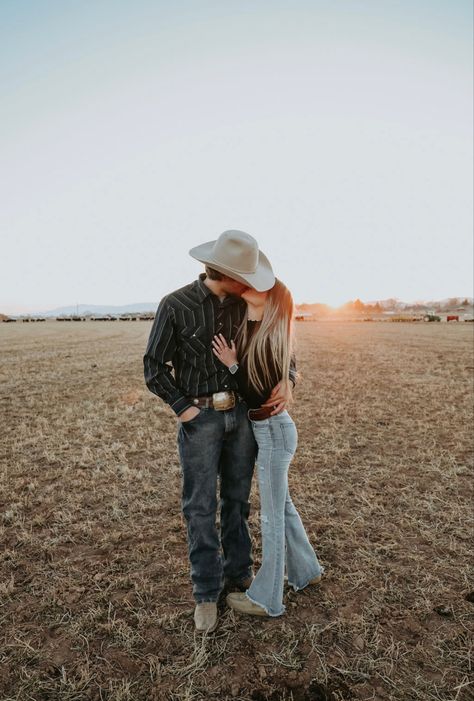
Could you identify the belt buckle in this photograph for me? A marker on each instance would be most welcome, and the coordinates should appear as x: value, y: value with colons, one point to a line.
x: 223, y: 400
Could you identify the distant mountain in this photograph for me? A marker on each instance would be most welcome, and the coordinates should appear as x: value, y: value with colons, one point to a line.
x: 98, y: 309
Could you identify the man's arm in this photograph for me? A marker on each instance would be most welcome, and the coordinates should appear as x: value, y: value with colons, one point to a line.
x: 159, y: 352
x: 293, y: 373
x: 279, y: 397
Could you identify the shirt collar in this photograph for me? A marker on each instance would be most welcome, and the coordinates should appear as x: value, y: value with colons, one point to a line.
x: 202, y: 290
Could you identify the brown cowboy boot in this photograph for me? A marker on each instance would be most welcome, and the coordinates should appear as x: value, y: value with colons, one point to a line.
x: 241, y: 585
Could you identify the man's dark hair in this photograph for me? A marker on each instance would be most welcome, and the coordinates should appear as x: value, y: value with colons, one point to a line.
x: 214, y: 274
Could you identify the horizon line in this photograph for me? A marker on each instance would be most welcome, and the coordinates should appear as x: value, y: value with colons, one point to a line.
x: 29, y: 309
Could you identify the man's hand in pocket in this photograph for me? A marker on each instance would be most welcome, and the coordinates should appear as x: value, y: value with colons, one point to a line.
x: 189, y: 414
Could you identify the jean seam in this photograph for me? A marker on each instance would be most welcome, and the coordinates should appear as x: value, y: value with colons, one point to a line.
x: 274, y: 524
x: 265, y: 608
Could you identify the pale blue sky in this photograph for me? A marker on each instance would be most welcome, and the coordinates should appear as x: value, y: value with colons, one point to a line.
x: 339, y: 134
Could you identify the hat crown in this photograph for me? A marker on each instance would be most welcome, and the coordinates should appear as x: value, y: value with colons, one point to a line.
x: 236, y: 250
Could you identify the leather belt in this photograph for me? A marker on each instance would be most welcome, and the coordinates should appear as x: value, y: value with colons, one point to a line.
x: 220, y: 401
x: 261, y: 413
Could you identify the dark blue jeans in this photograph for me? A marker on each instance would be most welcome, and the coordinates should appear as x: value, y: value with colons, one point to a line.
x: 217, y: 444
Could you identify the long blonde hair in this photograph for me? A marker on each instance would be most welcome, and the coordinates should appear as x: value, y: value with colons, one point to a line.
x: 275, y: 336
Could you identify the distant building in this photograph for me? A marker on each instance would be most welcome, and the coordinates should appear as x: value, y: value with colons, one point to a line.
x: 303, y: 315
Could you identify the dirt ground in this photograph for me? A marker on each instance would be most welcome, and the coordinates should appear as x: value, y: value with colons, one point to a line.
x: 95, y: 596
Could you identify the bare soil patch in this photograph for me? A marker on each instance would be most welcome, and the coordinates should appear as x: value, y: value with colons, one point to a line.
x: 95, y: 597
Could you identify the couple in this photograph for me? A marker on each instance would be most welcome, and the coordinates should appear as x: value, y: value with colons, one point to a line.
x: 220, y: 354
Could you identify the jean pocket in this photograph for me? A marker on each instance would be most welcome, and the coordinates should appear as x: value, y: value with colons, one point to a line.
x: 194, y: 419
x: 290, y: 437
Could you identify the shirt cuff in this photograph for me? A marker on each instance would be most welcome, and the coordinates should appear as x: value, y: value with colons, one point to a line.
x: 180, y: 404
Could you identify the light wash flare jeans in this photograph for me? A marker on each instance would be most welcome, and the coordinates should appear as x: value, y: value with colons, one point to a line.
x: 281, y: 524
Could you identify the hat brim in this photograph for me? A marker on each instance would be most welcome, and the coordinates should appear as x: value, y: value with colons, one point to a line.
x: 261, y: 280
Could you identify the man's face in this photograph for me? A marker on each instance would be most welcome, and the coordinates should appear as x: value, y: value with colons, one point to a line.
x: 233, y: 287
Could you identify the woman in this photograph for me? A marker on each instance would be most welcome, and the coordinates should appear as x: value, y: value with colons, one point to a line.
x: 260, y: 359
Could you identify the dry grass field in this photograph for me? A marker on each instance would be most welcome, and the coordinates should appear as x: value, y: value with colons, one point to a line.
x: 95, y: 597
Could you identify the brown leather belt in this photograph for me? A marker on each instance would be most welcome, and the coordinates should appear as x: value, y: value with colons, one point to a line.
x: 220, y: 401
x: 260, y: 413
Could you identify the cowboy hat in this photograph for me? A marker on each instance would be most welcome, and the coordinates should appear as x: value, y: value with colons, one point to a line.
x: 236, y: 254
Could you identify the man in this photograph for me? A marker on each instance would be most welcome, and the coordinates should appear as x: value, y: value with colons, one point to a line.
x: 215, y: 437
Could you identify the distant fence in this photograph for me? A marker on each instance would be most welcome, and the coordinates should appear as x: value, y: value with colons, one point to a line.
x: 28, y: 320
x: 398, y: 318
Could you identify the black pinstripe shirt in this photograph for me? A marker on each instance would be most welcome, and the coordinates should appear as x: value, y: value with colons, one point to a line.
x: 178, y: 361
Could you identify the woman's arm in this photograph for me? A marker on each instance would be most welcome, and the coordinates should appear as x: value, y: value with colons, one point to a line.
x: 281, y: 395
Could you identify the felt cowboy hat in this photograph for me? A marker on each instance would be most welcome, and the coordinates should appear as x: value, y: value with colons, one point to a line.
x: 236, y: 254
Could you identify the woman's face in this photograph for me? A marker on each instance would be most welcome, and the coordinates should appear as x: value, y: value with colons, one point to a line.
x: 254, y: 297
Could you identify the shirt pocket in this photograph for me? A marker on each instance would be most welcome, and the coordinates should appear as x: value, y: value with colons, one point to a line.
x: 192, y: 341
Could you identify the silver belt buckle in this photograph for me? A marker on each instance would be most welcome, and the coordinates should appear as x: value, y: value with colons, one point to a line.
x: 223, y: 400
